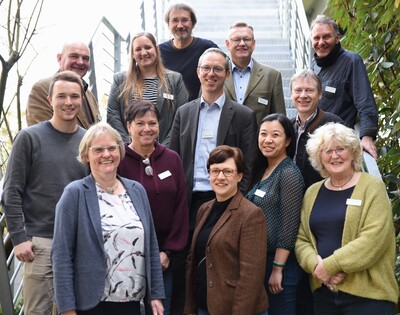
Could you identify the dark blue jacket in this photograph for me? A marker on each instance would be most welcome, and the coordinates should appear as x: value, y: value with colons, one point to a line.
x: 346, y: 92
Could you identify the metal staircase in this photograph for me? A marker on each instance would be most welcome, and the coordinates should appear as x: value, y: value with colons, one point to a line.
x: 272, y: 48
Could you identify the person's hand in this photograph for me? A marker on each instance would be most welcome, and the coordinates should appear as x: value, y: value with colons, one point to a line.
x: 23, y: 251
x: 368, y: 145
x: 157, y: 307
x: 337, y: 278
x: 73, y: 312
x: 275, y: 280
x: 320, y: 272
x: 164, y: 261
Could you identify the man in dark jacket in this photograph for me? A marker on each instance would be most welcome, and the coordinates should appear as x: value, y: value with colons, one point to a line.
x: 346, y: 88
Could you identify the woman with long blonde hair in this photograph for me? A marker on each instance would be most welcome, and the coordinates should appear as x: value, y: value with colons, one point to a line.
x: 146, y: 79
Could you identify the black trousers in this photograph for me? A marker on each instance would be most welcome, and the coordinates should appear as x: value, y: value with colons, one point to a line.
x: 178, y: 261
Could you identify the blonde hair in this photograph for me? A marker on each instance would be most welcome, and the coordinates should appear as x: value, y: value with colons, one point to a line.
x: 306, y: 74
x: 134, y: 82
x: 99, y: 129
x: 324, y: 138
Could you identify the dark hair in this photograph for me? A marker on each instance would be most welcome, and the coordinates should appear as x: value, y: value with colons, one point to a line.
x: 68, y: 76
x: 139, y: 108
x: 184, y: 7
x: 260, y: 162
x: 223, y: 152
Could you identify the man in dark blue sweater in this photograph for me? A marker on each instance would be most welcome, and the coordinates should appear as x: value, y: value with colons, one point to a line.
x: 182, y: 52
x: 42, y: 162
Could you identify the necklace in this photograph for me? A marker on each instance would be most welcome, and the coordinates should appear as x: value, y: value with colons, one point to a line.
x: 341, y: 186
x: 109, y: 190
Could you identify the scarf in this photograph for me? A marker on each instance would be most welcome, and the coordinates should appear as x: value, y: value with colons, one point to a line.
x: 331, y: 58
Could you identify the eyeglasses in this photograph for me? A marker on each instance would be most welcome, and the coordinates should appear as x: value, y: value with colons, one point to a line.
x: 148, y: 169
x: 307, y: 91
x: 183, y: 21
x: 228, y: 172
x: 100, y: 150
x: 207, y: 69
x: 237, y: 41
x: 338, y: 150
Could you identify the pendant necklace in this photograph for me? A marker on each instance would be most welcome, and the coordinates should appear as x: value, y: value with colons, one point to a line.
x: 109, y: 190
x: 341, y: 186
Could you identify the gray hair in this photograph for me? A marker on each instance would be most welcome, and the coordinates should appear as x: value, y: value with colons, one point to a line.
x: 323, y: 19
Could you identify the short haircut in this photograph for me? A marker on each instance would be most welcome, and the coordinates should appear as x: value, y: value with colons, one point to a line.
x: 68, y: 76
x: 139, y: 108
x: 97, y: 130
x: 323, y: 19
x: 325, y: 136
x: 214, y: 50
x: 241, y: 24
x: 181, y: 6
x: 307, y: 74
x: 223, y: 152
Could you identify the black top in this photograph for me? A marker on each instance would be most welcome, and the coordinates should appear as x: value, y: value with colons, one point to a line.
x: 327, y: 219
x: 200, y: 251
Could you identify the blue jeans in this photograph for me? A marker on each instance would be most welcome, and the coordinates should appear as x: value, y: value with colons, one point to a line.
x: 341, y: 303
x: 284, y: 303
x: 168, y: 283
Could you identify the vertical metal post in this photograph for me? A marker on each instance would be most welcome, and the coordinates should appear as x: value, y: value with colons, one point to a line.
x: 6, y: 300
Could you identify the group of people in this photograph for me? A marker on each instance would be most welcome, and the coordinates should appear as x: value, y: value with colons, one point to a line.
x: 199, y: 195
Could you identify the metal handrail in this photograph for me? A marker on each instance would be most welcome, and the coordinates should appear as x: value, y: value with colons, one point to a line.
x: 295, y: 27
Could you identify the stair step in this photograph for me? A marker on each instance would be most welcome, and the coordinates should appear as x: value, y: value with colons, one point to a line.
x: 272, y: 48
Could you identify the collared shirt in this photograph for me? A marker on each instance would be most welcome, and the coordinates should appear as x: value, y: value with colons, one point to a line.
x: 241, y: 80
x: 207, y: 131
x: 300, y: 127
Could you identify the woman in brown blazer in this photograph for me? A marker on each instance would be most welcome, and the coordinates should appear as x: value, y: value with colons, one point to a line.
x: 226, y: 262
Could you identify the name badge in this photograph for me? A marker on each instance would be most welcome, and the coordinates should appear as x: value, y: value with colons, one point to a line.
x: 330, y: 89
x: 260, y: 193
x: 164, y: 175
x: 353, y: 202
x: 168, y: 96
x: 263, y: 101
x: 207, y: 134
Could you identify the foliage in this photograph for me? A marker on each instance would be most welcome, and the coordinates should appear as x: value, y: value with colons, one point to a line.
x: 19, y: 20
x: 372, y: 29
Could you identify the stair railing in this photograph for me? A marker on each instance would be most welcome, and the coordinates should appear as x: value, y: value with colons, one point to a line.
x: 295, y: 27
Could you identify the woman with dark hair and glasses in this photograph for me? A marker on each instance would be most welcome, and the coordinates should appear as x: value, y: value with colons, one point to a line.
x: 226, y: 262
x: 277, y: 187
x: 105, y: 254
x: 160, y: 171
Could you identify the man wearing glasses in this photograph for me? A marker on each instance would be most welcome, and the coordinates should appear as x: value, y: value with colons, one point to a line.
x: 182, y: 52
x: 202, y: 124
x: 42, y: 162
x: 252, y: 84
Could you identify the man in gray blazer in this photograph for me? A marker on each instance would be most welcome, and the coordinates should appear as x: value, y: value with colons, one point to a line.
x: 252, y: 84
x: 201, y: 125
x: 211, y: 120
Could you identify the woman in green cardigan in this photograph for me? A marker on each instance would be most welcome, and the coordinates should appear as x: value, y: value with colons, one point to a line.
x: 346, y: 239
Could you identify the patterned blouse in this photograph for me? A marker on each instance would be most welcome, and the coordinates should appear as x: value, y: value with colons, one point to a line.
x: 280, y: 196
x: 124, y: 248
